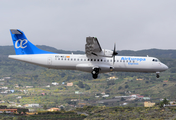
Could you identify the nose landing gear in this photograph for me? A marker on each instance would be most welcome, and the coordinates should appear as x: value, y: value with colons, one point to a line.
x: 157, y: 75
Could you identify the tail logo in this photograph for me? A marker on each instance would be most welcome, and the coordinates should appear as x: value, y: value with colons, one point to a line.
x: 21, y: 43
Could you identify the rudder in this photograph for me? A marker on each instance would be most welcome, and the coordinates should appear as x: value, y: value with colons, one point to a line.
x: 22, y: 45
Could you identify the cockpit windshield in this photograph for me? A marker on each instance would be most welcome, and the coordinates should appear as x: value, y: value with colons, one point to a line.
x: 155, y: 60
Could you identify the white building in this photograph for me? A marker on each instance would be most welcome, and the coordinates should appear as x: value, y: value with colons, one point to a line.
x: 48, y: 86
x: 7, y: 78
x: 113, y: 78
x: 2, y: 101
x: 4, y: 92
x: 55, y: 83
x: 1, y: 79
x: 29, y: 86
x: 31, y: 105
x: 4, y: 88
x: 125, y: 104
x: 105, y: 96
x: 19, y: 97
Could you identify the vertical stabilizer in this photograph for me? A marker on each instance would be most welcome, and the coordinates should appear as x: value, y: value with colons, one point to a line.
x: 22, y: 45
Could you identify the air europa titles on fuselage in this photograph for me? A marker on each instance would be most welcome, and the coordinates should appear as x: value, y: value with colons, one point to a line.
x: 135, y: 60
x: 132, y: 58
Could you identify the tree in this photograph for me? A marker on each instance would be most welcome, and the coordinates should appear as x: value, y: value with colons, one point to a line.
x: 126, y: 86
x: 122, y: 99
x: 110, y: 82
x: 24, y: 111
x: 120, y: 87
x: 63, y: 74
x: 80, y: 84
x: 44, y: 107
x: 87, y: 87
x: 164, y: 102
x: 19, y: 112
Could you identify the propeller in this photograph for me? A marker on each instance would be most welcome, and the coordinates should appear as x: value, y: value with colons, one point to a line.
x: 114, y: 53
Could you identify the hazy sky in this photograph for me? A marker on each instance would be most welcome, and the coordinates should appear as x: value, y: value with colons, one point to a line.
x: 65, y: 24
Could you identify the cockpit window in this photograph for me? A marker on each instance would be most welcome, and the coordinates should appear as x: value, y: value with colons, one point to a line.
x: 155, y: 60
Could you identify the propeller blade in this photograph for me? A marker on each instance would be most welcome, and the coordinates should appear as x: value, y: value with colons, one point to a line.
x: 114, y: 53
x: 114, y: 47
x: 113, y: 59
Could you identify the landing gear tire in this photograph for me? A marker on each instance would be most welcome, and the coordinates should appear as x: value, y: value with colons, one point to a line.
x: 95, y: 76
x: 95, y: 73
x: 157, y: 75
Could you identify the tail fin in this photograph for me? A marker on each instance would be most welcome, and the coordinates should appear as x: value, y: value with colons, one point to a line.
x: 22, y: 45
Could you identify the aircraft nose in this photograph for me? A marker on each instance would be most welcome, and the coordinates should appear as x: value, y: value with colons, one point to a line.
x: 165, y: 67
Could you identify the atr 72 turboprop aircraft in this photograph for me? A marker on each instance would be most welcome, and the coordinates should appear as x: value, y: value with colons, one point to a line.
x: 95, y: 61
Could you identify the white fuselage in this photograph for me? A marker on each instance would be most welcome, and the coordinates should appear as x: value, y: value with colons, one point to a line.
x: 86, y: 64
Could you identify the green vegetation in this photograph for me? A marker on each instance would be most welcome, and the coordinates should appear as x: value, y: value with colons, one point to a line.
x: 24, y: 74
x: 164, y: 102
x: 126, y: 113
x: 44, y: 116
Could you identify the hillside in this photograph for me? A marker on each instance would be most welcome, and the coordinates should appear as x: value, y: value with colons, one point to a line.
x: 23, y: 74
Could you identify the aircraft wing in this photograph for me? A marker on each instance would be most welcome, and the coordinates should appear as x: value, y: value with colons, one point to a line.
x: 92, y: 46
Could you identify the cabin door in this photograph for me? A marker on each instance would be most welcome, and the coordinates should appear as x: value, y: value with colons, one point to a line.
x: 49, y: 61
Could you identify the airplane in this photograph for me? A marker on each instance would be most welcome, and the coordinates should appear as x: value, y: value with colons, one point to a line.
x: 95, y: 60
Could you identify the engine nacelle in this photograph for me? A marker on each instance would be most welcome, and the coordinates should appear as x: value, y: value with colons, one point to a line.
x: 105, y: 53
x: 108, y: 53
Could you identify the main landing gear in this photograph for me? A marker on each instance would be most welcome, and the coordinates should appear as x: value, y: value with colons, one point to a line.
x: 95, y: 72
